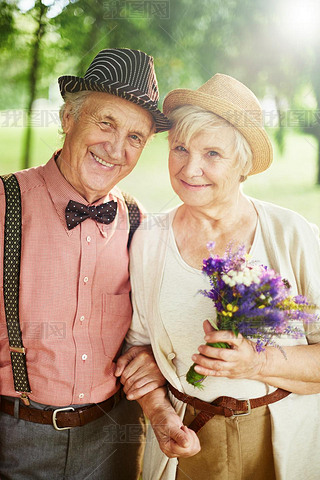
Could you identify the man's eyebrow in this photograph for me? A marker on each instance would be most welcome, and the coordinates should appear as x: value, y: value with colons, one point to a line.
x: 107, y: 116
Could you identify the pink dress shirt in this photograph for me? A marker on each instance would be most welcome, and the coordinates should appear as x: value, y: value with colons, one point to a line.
x: 74, y: 294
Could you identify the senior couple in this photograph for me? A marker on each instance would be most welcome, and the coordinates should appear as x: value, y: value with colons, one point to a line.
x: 63, y: 414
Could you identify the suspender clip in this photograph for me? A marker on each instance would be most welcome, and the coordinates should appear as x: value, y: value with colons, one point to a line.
x: 17, y: 349
x: 24, y: 397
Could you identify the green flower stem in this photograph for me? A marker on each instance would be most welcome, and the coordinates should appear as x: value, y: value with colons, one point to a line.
x: 195, y: 378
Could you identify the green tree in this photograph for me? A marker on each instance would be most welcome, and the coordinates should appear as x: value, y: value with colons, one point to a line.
x: 39, y: 14
x: 246, y: 39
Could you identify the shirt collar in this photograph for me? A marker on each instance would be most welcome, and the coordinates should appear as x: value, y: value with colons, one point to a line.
x: 61, y: 192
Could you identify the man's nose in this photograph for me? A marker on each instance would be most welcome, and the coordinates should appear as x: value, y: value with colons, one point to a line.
x: 115, y: 148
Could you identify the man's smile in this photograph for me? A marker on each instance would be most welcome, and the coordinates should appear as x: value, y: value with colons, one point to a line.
x: 102, y: 162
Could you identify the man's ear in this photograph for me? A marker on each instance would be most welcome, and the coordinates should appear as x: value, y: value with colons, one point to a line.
x: 67, y: 118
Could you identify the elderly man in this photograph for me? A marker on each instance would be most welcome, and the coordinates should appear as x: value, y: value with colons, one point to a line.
x: 61, y: 413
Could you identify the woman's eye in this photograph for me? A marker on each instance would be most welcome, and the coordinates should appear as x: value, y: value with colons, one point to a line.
x: 180, y: 148
x: 213, y: 153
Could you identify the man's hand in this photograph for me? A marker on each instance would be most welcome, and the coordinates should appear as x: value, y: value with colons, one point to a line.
x: 139, y: 372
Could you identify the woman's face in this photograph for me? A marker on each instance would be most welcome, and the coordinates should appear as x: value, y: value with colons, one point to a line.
x: 205, y: 172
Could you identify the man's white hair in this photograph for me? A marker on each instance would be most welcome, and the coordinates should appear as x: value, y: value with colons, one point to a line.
x: 76, y: 101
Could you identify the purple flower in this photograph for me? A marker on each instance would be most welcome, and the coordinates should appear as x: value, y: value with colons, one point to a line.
x: 253, y: 300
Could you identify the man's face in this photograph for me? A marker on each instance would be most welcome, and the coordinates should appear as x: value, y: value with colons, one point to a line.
x: 104, y: 144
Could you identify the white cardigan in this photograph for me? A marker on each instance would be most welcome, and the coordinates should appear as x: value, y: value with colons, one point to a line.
x: 293, y: 247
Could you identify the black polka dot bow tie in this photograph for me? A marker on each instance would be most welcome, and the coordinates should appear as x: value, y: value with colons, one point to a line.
x: 77, y: 213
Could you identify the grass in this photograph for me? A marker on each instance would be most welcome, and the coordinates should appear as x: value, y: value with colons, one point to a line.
x: 289, y: 182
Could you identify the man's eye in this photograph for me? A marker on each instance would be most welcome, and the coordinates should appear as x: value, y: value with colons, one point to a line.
x: 136, y: 141
x: 106, y: 124
x: 213, y: 153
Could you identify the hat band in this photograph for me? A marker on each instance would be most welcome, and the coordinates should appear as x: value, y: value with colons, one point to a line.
x: 103, y: 85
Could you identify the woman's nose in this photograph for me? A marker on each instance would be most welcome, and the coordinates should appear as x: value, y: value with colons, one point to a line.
x: 193, y: 167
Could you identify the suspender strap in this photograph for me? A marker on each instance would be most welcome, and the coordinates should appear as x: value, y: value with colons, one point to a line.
x: 11, y: 277
x: 11, y: 274
x: 134, y: 215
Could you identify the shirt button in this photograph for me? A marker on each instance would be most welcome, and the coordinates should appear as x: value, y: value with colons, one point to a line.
x: 82, y: 318
x: 81, y: 395
x: 84, y: 357
x: 85, y: 279
x: 171, y: 356
x: 88, y: 239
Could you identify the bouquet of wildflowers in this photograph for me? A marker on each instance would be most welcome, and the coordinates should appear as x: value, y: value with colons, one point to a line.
x: 252, y: 300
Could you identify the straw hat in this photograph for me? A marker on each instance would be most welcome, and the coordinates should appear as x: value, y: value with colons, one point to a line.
x: 125, y: 73
x: 230, y: 99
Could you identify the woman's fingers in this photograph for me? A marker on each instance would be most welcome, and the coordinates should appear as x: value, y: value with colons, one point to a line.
x: 241, y: 360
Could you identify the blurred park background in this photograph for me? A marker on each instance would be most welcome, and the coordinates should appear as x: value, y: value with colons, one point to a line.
x: 272, y: 46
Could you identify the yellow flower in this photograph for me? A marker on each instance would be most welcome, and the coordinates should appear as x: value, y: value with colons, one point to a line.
x: 232, y: 308
x: 289, y: 304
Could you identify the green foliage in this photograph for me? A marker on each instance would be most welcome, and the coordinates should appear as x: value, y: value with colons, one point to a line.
x: 7, y: 29
x: 288, y: 182
x: 247, y: 39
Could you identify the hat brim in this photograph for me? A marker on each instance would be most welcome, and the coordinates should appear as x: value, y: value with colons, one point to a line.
x: 255, y: 134
x: 72, y: 84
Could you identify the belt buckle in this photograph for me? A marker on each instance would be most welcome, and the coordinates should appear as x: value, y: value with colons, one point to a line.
x: 243, y: 414
x: 54, y: 418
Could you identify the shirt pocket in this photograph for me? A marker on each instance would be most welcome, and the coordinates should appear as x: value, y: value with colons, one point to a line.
x: 116, y: 319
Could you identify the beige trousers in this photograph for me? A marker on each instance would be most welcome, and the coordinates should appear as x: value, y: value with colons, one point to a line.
x: 231, y: 449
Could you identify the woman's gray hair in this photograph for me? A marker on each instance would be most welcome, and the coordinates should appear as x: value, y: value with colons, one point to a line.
x: 76, y: 101
x: 189, y: 120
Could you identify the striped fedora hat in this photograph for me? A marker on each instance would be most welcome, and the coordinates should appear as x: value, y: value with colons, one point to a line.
x: 123, y: 72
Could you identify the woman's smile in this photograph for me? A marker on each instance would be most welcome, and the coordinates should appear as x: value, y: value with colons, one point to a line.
x: 191, y: 186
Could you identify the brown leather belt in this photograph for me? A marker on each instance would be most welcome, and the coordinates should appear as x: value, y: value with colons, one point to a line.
x: 226, y: 406
x: 62, y: 418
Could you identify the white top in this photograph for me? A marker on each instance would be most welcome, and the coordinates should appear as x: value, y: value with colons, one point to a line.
x: 183, y: 310
x: 293, y: 249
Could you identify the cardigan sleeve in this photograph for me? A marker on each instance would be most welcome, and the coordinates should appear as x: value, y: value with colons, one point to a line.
x: 138, y: 333
x: 294, y: 248
x: 313, y: 287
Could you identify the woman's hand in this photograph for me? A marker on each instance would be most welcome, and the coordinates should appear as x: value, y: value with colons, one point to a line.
x: 240, y: 361
x: 139, y: 372
x: 294, y: 368
x: 175, y: 439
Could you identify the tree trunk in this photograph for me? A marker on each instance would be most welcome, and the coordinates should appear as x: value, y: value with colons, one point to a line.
x: 40, y: 10
x: 318, y: 165
x: 93, y: 40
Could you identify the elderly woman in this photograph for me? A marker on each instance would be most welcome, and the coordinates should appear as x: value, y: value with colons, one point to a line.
x: 216, y: 141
